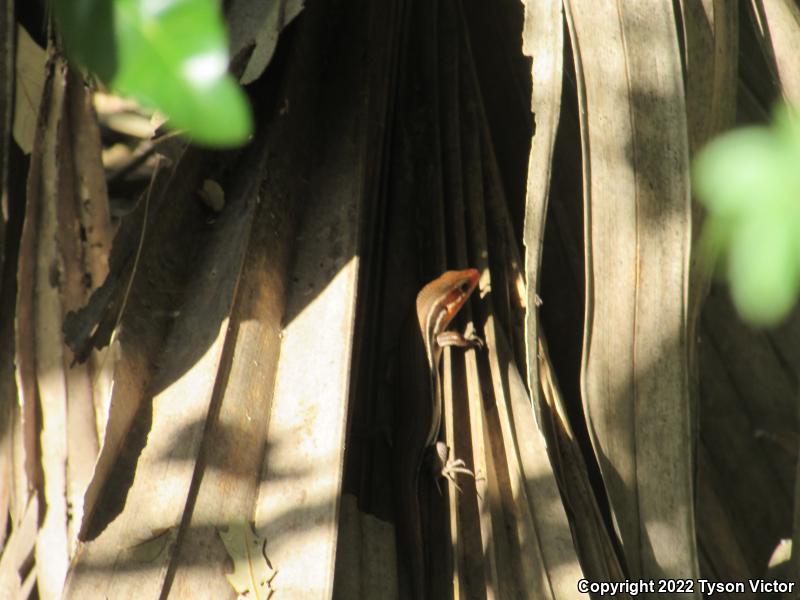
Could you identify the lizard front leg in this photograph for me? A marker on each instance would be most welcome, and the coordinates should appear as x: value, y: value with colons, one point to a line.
x: 468, y: 339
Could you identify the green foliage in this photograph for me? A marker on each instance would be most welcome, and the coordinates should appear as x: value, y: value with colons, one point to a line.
x: 749, y: 180
x: 168, y: 54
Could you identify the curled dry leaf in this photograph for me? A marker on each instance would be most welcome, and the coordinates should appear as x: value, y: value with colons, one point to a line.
x: 259, y: 23
x: 30, y: 59
x: 252, y: 573
x: 212, y: 195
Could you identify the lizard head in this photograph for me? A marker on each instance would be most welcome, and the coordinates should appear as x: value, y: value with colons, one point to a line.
x: 447, y: 294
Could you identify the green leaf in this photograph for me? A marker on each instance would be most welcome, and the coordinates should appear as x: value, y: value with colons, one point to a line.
x: 168, y: 54
x: 87, y: 27
x: 764, y: 268
x: 749, y: 180
x: 731, y: 172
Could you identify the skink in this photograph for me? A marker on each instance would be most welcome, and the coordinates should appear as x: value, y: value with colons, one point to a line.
x: 419, y: 413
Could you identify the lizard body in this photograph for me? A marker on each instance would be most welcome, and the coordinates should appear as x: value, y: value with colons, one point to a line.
x: 420, y: 410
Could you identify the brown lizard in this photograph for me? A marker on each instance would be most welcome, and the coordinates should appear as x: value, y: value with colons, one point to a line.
x: 419, y: 413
